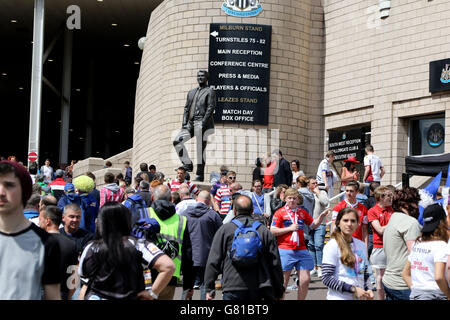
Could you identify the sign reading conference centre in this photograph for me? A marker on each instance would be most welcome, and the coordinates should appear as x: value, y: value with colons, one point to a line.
x: 239, y: 72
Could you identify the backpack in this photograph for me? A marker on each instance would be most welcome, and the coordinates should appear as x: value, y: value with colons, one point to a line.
x: 89, y: 208
x: 246, y: 246
x: 138, y: 211
x: 146, y: 228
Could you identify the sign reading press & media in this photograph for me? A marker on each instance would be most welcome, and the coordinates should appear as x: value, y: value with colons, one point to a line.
x: 440, y: 75
x: 239, y: 68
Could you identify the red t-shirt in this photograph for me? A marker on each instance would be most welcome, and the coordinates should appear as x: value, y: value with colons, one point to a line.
x: 283, y: 219
x: 268, y: 175
x: 383, y: 216
x: 362, y: 214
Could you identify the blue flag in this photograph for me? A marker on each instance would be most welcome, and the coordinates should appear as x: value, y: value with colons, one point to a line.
x: 429, y: 193
x: 447, y: 183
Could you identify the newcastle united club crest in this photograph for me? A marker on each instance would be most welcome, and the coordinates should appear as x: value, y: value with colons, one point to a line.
x: 242, y: 8
x: 445, y: 74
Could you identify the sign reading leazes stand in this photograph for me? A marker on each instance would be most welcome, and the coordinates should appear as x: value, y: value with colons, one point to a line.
x: 239, y: 68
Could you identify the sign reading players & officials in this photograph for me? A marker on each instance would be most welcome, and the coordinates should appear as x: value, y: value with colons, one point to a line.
x: 239, y: 68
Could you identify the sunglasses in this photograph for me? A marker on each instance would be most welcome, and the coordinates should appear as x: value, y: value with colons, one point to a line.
x: 232, y: 178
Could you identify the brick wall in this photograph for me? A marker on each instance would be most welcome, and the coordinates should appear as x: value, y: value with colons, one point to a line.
x: 177, y: 47
x: 377, y: 70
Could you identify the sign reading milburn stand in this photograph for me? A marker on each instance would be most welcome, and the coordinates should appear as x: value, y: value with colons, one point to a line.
x: 239, y: 68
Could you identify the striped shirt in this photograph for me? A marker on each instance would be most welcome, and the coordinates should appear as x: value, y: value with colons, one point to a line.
x: 174, y: 185
x: 338, y: 277
x: 223, y: 197
x: 107, y: 195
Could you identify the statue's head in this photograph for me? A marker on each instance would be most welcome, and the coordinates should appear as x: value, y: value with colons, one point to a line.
x: 202, y: 76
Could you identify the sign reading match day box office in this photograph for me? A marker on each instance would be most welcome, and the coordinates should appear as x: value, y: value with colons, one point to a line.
x: 239, y: 68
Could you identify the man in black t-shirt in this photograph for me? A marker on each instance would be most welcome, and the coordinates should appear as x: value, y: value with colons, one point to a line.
x: 72, y: 219
x: 49, y: 220
x: 29, y: 256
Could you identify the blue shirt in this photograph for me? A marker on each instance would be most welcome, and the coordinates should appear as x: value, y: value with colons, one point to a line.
x: 258, y: 200
x: 29, y: 214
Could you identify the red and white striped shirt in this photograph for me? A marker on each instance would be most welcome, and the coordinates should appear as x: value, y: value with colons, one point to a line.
x: 108, y: 195
x: 174, y: 185
x: 223, y: 197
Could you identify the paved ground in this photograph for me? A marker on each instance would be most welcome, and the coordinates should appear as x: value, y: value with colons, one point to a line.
x: 317, y: 291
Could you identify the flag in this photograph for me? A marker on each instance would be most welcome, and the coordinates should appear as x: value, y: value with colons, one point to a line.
x: 428, y: 195
x: 447, y: 183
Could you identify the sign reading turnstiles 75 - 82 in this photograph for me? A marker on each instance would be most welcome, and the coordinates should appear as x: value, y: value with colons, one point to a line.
x: 239, y: 68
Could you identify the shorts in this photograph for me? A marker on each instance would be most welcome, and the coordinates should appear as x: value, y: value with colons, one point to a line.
x: 378, y: 258
x: 298, y: 259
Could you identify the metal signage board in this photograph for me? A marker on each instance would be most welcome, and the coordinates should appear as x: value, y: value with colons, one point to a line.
x: 439, y: 75
x: 347, y: 143
x: 239, y: 68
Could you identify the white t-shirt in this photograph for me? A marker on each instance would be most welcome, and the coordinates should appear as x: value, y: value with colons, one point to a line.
x: 423, y: 256
x: 448, y: 254
x: 375, y: 164
x: 48, y: 173
x: 352, y: 276
x: 183, y: 205
x: 325, y: 166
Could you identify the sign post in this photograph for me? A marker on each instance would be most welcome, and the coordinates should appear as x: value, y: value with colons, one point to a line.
x: 36, y: 76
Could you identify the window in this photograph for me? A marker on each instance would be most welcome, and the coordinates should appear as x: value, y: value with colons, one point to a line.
x: 427, y: 135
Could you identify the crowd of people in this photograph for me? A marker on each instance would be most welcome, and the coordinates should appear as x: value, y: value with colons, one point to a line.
x: 140, y: 236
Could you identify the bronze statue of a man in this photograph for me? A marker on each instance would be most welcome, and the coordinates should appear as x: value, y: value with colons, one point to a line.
x: 198, y: 121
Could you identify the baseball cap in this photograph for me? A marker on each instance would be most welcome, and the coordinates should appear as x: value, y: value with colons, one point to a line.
x: 69, y: 187
x: 432, y: 216
x: 59, y: 173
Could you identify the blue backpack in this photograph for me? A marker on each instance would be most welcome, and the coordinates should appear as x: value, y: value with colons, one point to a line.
x: 146, y: 228
x: 138, y: 211
x: 246, y: 246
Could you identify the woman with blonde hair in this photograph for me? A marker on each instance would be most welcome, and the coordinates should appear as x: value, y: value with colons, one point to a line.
x: 345, y: 266
x: 424, y: 272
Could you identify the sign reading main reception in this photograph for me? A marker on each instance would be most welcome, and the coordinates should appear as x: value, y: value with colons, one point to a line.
x: 239, y: 68
x: 440, y: 75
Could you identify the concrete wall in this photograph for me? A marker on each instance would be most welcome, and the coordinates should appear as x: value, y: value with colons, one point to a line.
x: 177, y: 47
x: 96, y: 166
x: 377, y: 70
